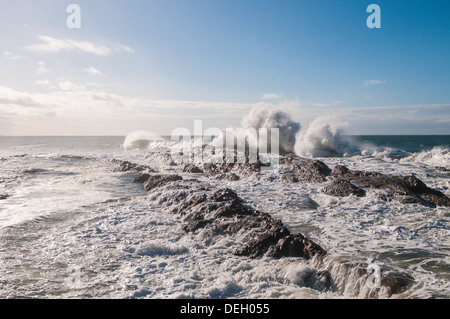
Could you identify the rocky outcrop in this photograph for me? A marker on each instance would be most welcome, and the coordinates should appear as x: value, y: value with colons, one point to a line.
x: 235, y: 171
x: 224, y: 212
x: 227, y: 177
x: 404, y: 189
x: 343, y: 188
x: 191, y: 168
x: 306, y: 170
x: 221, y: 212
x: 126, y: 166
x: 159, y: 180
x: 346, y: 274
x: 141, y: 178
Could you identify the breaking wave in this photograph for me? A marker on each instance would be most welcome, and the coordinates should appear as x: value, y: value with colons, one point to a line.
x: 325, y: 137
x: 265, y: 117
x: 437, y: 157
x: 139, y: 140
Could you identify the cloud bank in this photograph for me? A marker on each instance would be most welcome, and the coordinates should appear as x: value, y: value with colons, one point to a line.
x: 53, y: 45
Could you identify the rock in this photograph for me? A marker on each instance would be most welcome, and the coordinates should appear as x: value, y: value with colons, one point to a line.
x: 343, y: 188
x: 236, y: 171
x: 255, y: 234
x: 159, y: 180
x: 224, y: 212
x: 404, y: 189
x: 141, y: 178
x: 395, y: 282
x: 3, y: 196
x: 191, y: 168
x: 227, y: 177
x: 126, y: 166
x: 213, y: 169
x: 305, y: 170
x: 297, y: 246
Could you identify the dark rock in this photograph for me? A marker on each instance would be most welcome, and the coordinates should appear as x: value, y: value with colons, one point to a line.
x: 290, y: 177
x: 231, y: 171
x: 225, y: 212
x: 213, y: 169
x: 141, y: 178
x: 225, y: 195
x: 3, y: 196
x: 395, y: 282
x: 272, y: 232
x: 306, y: 170
x: 126, y: 166
x: 256, y: 234
x: 159, y: 180
x: 227, y: 177
x: 191, y: 168
x: 404, y: 189
x: 343, y: 188
x: 297, y: 246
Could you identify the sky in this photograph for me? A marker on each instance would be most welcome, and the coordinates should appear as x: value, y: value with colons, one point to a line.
x: 157, y: 65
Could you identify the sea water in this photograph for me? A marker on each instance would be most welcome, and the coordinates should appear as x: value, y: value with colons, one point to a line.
x: 73, y: 225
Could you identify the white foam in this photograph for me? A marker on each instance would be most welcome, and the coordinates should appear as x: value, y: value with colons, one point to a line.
x: 437, y: 157
x: 132, y: 248
x: 325, y: 137
x: 140, y: 140
x: 265, y: 117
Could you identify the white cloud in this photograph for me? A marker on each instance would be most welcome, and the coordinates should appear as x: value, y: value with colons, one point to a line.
x: 41, y: 68
x: 76, y: 109
x: 70, y: 86
x: 43, y: 82
x: 11, y: 56
x: 54, y: 45
x: 92, y: 71
x: 18, y: 100
x: 125, y: 48
x: 374, y: 82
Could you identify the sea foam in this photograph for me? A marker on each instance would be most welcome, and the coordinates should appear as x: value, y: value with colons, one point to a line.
x: 325, y: 137
x: 139, y: 140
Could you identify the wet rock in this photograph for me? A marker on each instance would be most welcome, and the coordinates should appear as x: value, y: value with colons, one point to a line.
x: 255, y: 234
x: 343, y: 188
x: 159, y: 180
x: 297, y: 246
x: 395, y: 282
x: 232, y: 171
x: 3, y: 196
x: 306, y: 170
x: 290, y: 177
x: 225, y: 195
x: 227, y: 177
x: 224, y: 212
x: 126, y: 166
x: 213, y: 169
x: 141, y: 178
x: 404, y: 189
x: 191, y: 168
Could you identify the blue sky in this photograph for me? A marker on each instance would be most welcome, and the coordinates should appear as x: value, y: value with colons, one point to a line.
x: 157, y: 65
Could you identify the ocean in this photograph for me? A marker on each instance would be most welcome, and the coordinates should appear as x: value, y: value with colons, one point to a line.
x: 74, y: 225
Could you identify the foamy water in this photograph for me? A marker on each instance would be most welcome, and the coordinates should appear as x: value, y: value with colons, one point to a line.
x: 69, y: 207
